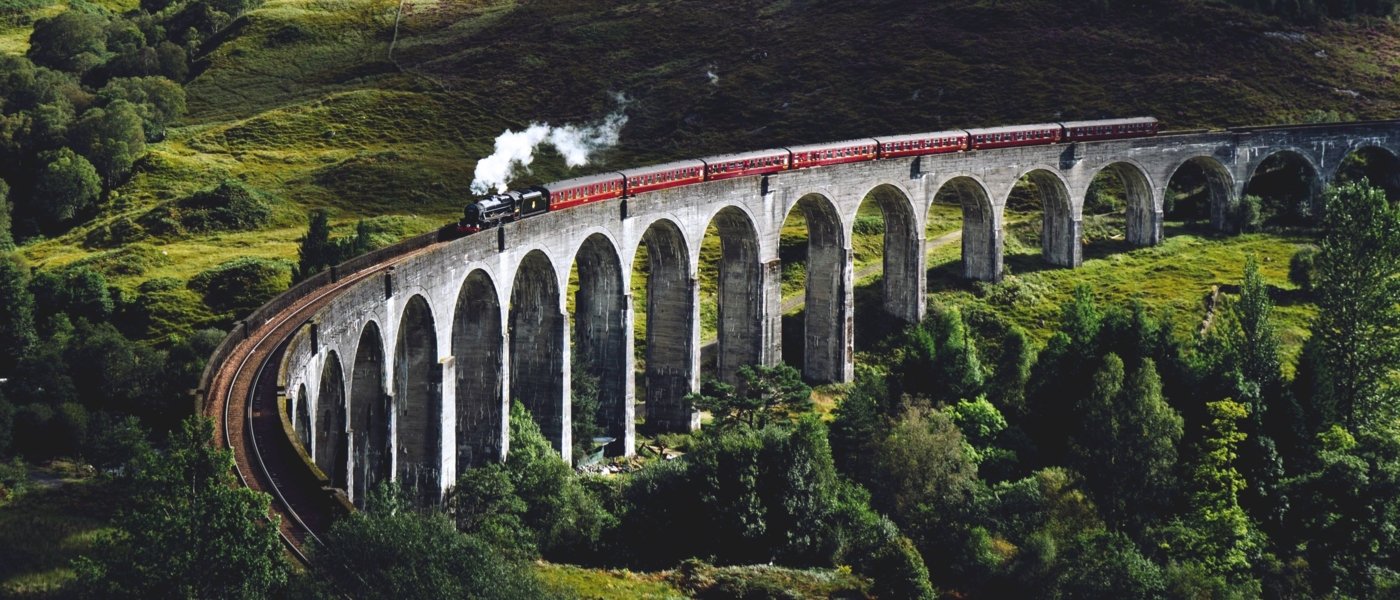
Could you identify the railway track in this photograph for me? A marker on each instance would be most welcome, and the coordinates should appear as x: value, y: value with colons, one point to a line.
x: 242, y: 399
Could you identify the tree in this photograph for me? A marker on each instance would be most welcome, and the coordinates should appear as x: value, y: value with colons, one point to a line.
x: 1358, y: 320
x: 78, y: 292
x: 158, y: 100
x: 7, y: 239
x: 559, y: 512
x: 16, y: 312
x: 1217, y: 533
x: 316, y: 252
x: 391, y: 551
x: 1257, y: 339
x: 1012, y: 373
x: 940, y: 360
x: 765, y: 394
x: 67, y: 186
x: 1125, y: 443
x: 188, y: 531
x: 72, y: 40
x: 112, y: 138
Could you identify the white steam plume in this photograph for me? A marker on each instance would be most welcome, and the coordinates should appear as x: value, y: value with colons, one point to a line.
x: 515, y: 150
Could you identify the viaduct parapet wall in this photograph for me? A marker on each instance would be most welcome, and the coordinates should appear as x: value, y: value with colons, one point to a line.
x: 409, y: 375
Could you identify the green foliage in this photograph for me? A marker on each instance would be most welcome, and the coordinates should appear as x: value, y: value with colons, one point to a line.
x: 1125, y: 443
x: 765, y: 395
x: 389, y: 550
x: 858, y: 420
x: 979, y: 421
x: 1358, y: 321
x: 112, y: 138
x: 159, y: 101
x: 243, y: 284
x: 1011, y: 373
x: 483, y: 503
x: 1344, y: 508
x: 584, y: 404
x: 68, y: 186
x: 1302, y: 267
x: 1217, y: 534
x: 1251, y: 217
x: 187, y: 531
x: 78, y: 292
x: 1108, y: 565
x: 16, y: 312
x: 940, y: 360
x: 7, y: 240
x: 72, y: 40
x: 562, y: 515
x: 316, y: 252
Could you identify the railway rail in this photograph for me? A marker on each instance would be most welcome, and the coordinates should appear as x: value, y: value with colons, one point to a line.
x: 241, y: 396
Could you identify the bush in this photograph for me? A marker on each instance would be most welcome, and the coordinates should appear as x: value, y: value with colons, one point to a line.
x: 241, y: 285
x: 1302, y: 267
x: 230, y: 206
x: 1251, y: 213
x: 869, y: 225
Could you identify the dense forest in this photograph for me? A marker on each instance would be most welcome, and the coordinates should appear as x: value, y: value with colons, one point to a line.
x: 1116, y: 458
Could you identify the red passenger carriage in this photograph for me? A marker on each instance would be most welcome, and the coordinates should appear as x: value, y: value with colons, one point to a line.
x: 938, y: 142
x: 1108, y: 129
x: 1015, y: 135
x: 760, y: 162
x: 660, y: 177
x: 835, y: 153
x: 582, y: 190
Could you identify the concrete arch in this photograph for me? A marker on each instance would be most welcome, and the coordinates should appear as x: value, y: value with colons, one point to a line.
x: 983, y: 242
x: 370, y: 456
x: 332, y: 445
x: 902, y: 255
x: 602, y: 333
x: 1144, y: 218
x: 746, y: 337
x: 418, y: 400
x: 1220, y: 185
x: 1060, y: 226
x: 1386, y: 175
x: 828, y: 329
x: 301, y: 422
x: 538, y: 352
x: 672, y: 329
x: 478, y: 346
x: 1312, y: 195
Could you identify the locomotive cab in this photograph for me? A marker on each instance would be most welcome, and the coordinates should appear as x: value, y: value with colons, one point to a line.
x: 491, y: 211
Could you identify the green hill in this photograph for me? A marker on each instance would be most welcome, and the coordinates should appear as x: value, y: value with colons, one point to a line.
x: 304, y: 101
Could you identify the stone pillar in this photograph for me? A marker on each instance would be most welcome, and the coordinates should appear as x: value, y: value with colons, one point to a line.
x: 673, y: 352
x: 983, y: 244
x: 629, y: 379
x: 830, y: 350
x: 770, y: 313
x: 447, y: 426
x: 1059, y: 241
x: 505, y: 397
x: 905, y: 277
x: 566, y: 422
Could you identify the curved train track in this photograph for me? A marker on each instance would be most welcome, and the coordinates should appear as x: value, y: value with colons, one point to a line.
x: 241, y: 397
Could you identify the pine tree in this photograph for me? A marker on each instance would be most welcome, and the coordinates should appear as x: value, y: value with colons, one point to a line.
x: 316, y: 251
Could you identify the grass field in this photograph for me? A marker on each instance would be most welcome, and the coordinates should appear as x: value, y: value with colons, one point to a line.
x: 43, y: 530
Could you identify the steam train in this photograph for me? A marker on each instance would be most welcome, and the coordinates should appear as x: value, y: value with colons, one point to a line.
x: 490, y: 211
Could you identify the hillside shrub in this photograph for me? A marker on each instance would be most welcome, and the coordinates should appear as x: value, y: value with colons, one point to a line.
x: 229, y: 206
x: 243, y: 284
x: 1302, y: 267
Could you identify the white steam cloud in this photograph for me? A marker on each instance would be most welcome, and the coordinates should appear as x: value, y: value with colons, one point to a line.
x: 515, y: 150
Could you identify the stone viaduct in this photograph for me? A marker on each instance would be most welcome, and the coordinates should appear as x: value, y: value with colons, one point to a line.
x: 409, y: 375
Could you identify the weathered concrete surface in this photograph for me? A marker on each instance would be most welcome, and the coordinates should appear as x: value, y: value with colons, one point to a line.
x: 492, y: 324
